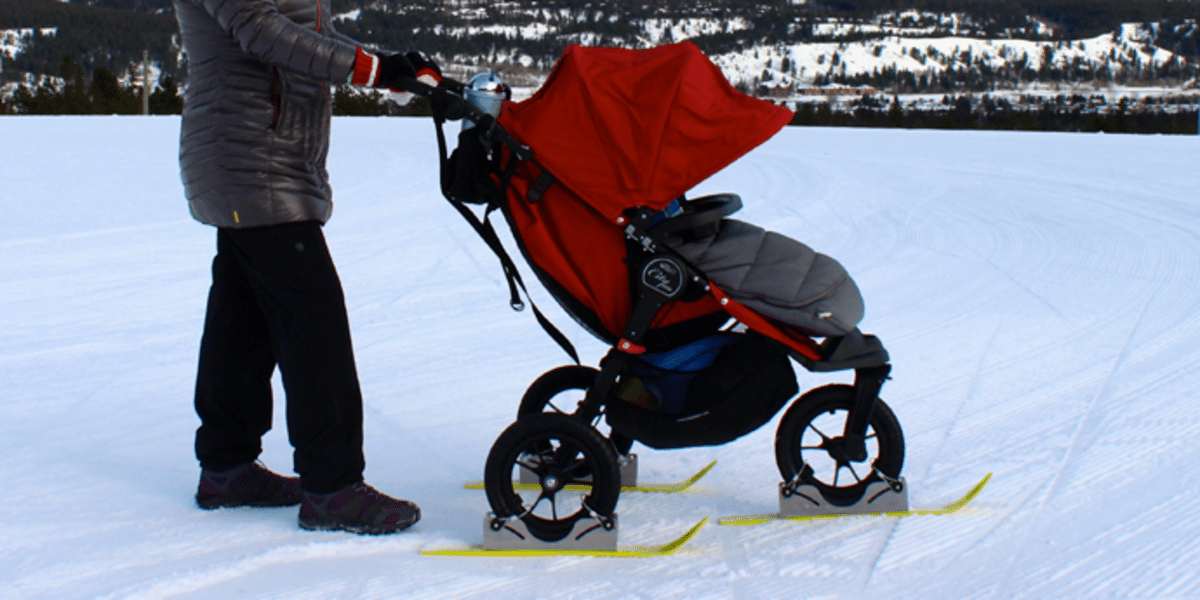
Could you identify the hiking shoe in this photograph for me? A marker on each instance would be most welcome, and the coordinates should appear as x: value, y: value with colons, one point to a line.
x: 359, y: 508
x: 250, y: 484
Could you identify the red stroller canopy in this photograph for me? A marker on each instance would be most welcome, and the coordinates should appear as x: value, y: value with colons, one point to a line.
x: 623, y: 128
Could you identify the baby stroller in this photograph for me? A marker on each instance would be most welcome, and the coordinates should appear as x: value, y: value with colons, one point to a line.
x: 704, y: 314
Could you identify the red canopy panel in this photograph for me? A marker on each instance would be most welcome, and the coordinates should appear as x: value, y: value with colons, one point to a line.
x: 623, y: 128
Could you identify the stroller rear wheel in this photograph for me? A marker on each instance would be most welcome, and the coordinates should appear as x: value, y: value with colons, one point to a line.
x: 560, y: 391
x: 810, y: 445
x: 576, y: 467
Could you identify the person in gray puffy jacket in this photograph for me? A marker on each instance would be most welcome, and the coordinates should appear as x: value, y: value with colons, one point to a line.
x: 253, y: 142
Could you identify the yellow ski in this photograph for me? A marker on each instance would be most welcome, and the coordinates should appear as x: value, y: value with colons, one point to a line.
x: 945, y: 510
x: 634, y: 551
x: 659, y: 488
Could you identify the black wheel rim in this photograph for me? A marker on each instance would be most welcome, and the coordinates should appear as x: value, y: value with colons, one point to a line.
x: 823, y: 451
x: 563, y: 467
x: 811, y: 447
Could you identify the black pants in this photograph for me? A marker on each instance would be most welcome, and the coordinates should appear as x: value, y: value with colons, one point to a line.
x: 276, y: 300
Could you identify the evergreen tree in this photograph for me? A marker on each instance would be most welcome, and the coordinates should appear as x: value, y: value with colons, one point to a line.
x: 349, y: 102
x: 166, y: 99
x: 895, y: 114
x: 74, y: 99
x: 105, y: 93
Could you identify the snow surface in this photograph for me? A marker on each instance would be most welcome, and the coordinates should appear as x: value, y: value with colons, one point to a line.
x: 1039, y: 294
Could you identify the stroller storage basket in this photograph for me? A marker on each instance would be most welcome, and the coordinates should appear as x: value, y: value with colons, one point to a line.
x: 707, y: 393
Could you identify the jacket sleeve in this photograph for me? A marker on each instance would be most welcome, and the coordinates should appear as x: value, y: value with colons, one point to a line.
x: 260, y: 29
x: 337, y: 35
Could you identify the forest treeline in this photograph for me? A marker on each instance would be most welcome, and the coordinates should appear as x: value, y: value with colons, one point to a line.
x: 1059, y: 113
x: 101, y: 94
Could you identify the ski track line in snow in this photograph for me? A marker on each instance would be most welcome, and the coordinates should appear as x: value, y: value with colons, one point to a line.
x: 1093, y: 414
x: 1086, y: 448
x: 1089, y: 423
x: 972, y: 388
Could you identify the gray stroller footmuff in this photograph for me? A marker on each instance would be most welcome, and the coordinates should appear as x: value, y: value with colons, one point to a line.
x: 778, y: 277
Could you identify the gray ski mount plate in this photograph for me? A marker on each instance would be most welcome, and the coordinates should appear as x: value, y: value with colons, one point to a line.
x: 588, y: 533
x: 806, y: 501
x: 563, y: 548
x: 864, y: 508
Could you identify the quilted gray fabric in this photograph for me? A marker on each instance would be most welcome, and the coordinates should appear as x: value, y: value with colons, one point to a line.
x: 778, y: 277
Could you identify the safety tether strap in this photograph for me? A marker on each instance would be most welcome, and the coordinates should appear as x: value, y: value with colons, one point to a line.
x: 487, y: 232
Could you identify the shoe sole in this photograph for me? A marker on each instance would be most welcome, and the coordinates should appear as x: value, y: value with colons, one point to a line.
x: 216, y: 503
x: 319, y: 525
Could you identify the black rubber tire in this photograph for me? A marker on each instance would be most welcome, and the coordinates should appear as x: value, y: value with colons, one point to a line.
x: 887, y: 457
x: 542, y: 392
x: 572, y: 452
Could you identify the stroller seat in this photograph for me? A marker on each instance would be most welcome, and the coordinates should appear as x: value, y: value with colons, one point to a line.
x: 777, y: 277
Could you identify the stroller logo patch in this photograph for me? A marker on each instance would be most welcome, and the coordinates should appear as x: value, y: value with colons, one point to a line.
x: 664, y: 276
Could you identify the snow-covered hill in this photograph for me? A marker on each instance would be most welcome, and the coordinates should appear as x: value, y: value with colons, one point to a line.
x: 1039, y: 295
x: 798, y: 65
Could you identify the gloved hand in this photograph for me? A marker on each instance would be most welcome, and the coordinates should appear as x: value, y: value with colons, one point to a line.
x: 426, y: 71
x: 393, y: 68
x: 388, y: 70
x: 425, y: 68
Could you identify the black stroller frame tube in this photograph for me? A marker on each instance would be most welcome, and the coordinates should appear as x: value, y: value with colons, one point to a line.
x: 867, y: 383
x: 661, y: 280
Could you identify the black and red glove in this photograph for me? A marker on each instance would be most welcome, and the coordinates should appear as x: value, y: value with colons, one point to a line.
x: 388, y: 70
x: 425, y: 67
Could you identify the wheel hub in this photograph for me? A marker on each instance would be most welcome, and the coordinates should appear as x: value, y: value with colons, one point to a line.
x: 846, y: 449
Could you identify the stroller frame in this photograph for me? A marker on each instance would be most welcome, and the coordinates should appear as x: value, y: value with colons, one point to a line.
x: 662, y: 277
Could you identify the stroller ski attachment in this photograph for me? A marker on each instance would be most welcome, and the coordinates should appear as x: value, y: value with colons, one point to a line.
x: 704, y: 314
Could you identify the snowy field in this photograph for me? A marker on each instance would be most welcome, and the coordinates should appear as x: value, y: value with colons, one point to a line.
x: 1039, y: 294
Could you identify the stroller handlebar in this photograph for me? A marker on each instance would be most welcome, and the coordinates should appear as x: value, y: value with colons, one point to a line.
x: 447, y: 99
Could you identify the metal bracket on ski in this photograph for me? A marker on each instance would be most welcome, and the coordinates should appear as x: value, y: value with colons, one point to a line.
x: 628, y: 464
x: 588, y: 533
x: 806, y: 501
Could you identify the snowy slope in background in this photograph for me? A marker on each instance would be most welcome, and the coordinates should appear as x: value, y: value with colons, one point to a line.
x: 1124, y: 49
x: 1039, y: 294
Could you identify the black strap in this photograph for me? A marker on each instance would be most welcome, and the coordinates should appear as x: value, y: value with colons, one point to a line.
x: 539, y: 187
x: 487, y: 232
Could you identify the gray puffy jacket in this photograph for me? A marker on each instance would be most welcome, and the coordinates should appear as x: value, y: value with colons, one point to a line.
x: 256, y: 114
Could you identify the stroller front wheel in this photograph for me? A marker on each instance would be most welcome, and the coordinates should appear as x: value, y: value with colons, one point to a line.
x: 810, y: 447
x: 576, y: 468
